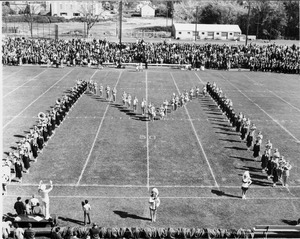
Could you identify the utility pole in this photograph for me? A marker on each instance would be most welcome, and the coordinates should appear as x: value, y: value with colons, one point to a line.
x: 196, y: 23
x: 248, y: 19
x: 120, y: 18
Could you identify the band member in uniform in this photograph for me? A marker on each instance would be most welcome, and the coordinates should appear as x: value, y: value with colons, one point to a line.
x: 166, y: 104
x: 114, y: 93
x: 135, y: 102
x: 107, y: 89
x: 128, y: 101
x: 101, y: 90
x: 124, y: 98
x: 143, y: 106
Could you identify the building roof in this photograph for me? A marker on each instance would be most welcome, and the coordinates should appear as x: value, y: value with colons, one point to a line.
x: 147, y: 5
x: 207, y: 27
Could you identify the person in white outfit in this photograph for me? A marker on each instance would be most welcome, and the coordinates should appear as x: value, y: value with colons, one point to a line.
x: 154, y: 204
x: 246, y: 183
x: 45, y: 198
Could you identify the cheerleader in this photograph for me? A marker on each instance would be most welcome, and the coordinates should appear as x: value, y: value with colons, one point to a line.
x: 154, y: 203
x: 246, y: 181
x: 286, y: 173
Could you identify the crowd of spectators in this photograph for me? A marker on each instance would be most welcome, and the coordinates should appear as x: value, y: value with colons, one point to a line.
x: 18, y: 161
x: 271, y: 57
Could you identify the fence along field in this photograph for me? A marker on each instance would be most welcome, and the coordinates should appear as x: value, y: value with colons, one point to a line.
x: 126, y: 158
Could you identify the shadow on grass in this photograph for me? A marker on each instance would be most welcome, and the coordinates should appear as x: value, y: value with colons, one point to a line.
x: 19, y: 136
x: 66, y: 219
x: 235, y: 147
x: 223, y: 194
x: 242, y: 158
x: 222, y: 125
x: 123, y: 214
x: 130, y: 112
x: 224, y: 129
x: 231, y: 140
x: 290, y: 222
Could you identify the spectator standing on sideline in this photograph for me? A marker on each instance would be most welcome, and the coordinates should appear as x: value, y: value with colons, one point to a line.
x: 19, y: 206
x: 154, y: 204
x: 29, y: 233
x: 86, y: 211
x: 286, y: 173
x: 28, y: 207
x: 45, y: 198
x: 19, y: 232
x: 56, y: 234
x: 94, y: 232
x: 37, y: 210
x: 246, y: 183
x: 6, y: 229
x: 33, y: 202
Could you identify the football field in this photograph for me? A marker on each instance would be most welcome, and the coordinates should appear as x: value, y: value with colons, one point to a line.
x: 113, y: 157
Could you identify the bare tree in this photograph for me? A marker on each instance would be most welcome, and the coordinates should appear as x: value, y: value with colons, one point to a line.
x: 90, y: 15
x: 29, y: 12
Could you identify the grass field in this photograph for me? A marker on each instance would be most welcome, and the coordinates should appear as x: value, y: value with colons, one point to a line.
x: 112, y: 157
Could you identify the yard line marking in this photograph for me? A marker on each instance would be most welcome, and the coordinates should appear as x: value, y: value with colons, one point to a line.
x: 284, y: 101
x: 199, y: 78
x: 98, y: 131
x: 36, y: 99
x: 276, y: 121
x: 23, y: 84
x: 12, y: 74
x: 199, y: 142
x: 236, y: 197
x: 147, y: 140
x: 276, y: 95
x: 143, y: 186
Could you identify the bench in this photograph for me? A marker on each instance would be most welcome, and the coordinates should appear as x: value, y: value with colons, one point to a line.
x: 276, y: 231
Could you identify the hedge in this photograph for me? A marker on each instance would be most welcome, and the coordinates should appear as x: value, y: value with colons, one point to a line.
x: 36, y: 18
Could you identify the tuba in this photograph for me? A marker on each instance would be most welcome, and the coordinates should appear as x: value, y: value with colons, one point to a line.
x: 43, y: 118
x: 58, y: 101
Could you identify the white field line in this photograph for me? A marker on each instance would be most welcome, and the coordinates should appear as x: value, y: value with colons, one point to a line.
x: 276, y: 121
x: 284, y: 101
x: 95, y: 139
x: 237, y: 197
x: 36, y: 99
x: 23, y: 84
x: 143, y: 186
x: 147, y: 137
x: 199, y: 142
x: 275, y: 95
x: 199, y: 78
x: 6, y: 77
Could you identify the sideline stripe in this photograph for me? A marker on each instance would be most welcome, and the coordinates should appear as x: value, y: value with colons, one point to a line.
x: 199, y: 78
x: 98, y: 131
x: 147, y: 135
x: 122, y: 197
x: 276, y: 121
x: 199, y: 142
x: 23, y: 84
x: 275, y: 95
x: 36, y: 100
x: 6, y: 77
x: 143, y: 186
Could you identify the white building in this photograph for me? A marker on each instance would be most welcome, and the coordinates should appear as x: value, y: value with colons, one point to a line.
x: 206, y: 31
x: 147, y: 11
x: 70, y: 9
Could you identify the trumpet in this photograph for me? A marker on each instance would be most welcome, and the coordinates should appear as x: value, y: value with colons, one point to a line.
x: 58, y: 101
x: 43, y: 118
